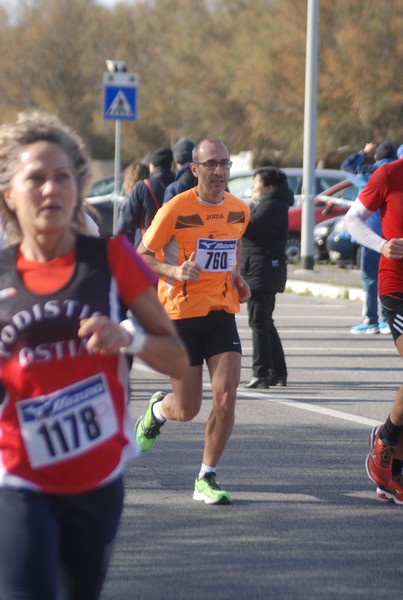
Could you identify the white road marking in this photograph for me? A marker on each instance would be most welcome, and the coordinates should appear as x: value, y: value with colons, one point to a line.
x: 330, y: 412
x: 300, y: 405
x: 334, y: 350
x: 312, y: 317
x: 278, y: 497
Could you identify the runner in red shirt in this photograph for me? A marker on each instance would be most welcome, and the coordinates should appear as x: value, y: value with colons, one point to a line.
x: 385, y: 192
x: 65, y: 430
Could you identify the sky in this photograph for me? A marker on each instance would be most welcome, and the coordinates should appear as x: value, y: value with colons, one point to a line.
x: 106, y: 2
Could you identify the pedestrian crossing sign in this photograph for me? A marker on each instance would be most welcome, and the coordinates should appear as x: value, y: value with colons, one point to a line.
x: 120, y: 96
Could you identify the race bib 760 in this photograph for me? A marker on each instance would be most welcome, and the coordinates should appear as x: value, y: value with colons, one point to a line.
x: 216, y: 255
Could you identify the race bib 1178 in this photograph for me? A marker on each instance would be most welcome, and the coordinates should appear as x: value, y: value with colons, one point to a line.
x: 62, y: 425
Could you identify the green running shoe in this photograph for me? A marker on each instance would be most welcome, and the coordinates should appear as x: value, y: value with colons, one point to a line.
x: 207, y: 490
x: 147, y: 429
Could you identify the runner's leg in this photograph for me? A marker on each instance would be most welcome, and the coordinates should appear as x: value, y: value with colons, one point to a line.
x: 90, y: 522
x: 29, y: 546
x: 224, y: 372
x: 184, y: 402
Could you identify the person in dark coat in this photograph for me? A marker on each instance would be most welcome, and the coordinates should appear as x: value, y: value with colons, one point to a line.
x: 182, y: 153
x: 146, y: 197
x: 264, y: 267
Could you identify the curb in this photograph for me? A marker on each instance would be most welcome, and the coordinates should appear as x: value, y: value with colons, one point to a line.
x: 325, y: 290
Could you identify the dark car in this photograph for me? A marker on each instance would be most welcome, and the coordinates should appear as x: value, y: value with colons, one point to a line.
x: 342, y: 248
x: 333, y: 202
x: 321, y: 232
x: 240, y: 184
x: 100, y: 203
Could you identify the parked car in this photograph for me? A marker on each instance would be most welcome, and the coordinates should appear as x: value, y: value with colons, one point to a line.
x: 103, y: 188
x: 334, y: 196
x: 240, y: 184
x: 99, y: 203
x: 342, y: 248
x: 321, y: 232
x: 333, y: 202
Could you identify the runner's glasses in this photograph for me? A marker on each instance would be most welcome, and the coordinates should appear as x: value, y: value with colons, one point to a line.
x: 211, y: 165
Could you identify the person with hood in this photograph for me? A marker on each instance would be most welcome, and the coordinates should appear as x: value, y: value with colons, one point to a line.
x: 264, y: 268
x: 359, y: 167
x: 182, y: 154
x: 146, y: 197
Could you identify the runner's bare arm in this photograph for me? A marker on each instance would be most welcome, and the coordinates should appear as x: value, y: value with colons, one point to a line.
x: 243, y: 288
x: 160, y: 347
x: 187, y: 271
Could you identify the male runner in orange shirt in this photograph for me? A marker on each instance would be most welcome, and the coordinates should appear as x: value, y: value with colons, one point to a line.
x: 200, y: 287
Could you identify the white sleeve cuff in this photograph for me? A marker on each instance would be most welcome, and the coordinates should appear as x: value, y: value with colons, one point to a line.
x: 355, y: 224
x: 138, y: 337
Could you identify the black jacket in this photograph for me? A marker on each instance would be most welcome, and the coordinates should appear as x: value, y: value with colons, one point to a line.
x: 184, y: 181
x: 264, y: 260
x: 139, y: 207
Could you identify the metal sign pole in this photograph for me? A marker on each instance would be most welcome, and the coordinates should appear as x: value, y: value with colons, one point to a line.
x: 116, y: 187
x: 120, y: 103
x: 308, y: 183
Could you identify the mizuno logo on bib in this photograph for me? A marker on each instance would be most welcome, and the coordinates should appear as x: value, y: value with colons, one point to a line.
x: 216, y: 255
x: 62, y: 425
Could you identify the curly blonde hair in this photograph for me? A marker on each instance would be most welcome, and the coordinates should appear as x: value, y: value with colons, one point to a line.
x: 136, y: 171
x: 31, y: 127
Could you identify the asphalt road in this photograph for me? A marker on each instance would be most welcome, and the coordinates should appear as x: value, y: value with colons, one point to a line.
x: 305, y: 523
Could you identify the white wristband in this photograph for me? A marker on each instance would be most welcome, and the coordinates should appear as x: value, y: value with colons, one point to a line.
x: 138, y: 337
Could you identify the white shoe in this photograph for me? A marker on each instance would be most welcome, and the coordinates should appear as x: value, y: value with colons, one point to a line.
x: 384, y: 327
x: 364, y: 328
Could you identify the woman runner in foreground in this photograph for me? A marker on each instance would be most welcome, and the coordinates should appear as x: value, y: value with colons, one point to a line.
x: 65, y: 429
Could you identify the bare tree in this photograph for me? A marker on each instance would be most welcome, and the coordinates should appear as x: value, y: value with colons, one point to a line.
x: 231, y: 68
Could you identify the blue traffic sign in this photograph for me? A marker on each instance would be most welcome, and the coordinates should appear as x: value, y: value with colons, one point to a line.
x: 120, y: 96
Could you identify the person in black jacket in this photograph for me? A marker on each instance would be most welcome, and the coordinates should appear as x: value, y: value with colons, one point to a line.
x: 146, y: 197
x: 182, y: 153
x: 264, y: 267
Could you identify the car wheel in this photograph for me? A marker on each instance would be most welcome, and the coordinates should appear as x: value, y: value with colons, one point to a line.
x: 293, y: 250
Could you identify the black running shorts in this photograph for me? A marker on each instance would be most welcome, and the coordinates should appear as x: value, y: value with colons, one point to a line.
x: 393, y: 305
x: 206, y: 336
